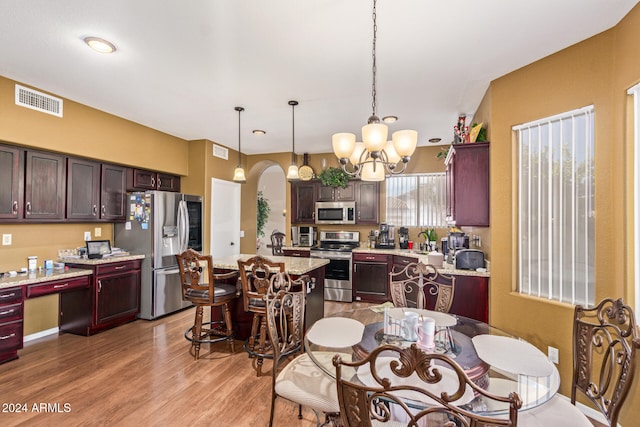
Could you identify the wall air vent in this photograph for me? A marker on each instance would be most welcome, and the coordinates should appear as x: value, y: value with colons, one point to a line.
x: 35, y: 100
x: 221, y: 152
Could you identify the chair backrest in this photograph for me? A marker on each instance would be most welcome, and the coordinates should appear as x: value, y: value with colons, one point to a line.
x: 285, y: 302
x: 197, y: 277
x: 277, y: 242
x: 605, y: 348
x: 255, y: 275
x: 417, y: 282
x: 414, y: 387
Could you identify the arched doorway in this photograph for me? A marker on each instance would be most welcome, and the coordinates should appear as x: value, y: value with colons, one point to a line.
x: 272, y: 187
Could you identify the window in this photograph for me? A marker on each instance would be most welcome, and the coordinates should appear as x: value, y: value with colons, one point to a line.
x: 417, y: 200
x: 555, y: 207
x: 635, y: 92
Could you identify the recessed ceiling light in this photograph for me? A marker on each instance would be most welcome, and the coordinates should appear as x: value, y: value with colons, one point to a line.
x: 100, y: 45
x: 434, y: 140
x: 390, y: 119
x: 259, y: 132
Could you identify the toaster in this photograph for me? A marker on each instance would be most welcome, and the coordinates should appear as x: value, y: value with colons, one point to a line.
x: 469, y: 259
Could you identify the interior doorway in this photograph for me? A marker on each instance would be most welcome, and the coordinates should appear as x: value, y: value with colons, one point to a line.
x: 225, y: 218
x: 272, y: 184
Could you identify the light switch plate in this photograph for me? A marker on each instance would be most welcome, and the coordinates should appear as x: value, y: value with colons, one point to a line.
x: 6, y: 239
x: 87, y: 235
x: 554, y: 354
x: 97, y: 232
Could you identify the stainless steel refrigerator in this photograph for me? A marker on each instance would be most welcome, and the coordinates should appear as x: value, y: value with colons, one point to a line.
x: 161, y: 224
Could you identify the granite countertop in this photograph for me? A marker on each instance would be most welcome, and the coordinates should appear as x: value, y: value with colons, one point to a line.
x: 41, y: 277
x: 445, y: 269
x: 99, y: 261
x: 292, y: 265
x: 296, y: 248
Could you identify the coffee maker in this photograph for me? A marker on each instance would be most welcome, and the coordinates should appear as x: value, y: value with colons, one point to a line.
x: 457, y: 240
x: 403, y: 237
x: 386, y: 237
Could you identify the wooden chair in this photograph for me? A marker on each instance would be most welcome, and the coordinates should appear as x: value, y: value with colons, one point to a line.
x: 605, y: 348
x: 300, y: 381
x: 204, y: 289
x: 277, y: 242
x: 255, y: 275
x: 410, y: 387
x: 410, y: 286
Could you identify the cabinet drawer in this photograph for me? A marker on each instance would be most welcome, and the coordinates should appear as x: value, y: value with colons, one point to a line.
x: 403, y: 260
x: 57, y: 286
x: 11, y: 312
x: 117, y: 267
x: 10, y: 336
x: 11, y: 295
x: 302, y: 254
x: 371, y: 257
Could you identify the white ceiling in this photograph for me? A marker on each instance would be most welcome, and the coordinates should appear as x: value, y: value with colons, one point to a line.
x: 182, y: 66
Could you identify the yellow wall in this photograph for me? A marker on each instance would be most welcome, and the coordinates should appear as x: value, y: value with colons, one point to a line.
x: 596, y: 71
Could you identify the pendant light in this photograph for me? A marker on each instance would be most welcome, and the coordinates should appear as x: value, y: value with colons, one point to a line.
x: 292, y: 173
x: 238, y: 174
x: 375, y: 156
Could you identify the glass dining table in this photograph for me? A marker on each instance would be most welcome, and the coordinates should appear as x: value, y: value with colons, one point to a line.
x: 493, y: 359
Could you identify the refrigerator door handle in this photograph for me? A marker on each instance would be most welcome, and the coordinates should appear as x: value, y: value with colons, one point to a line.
x: 183, y: 225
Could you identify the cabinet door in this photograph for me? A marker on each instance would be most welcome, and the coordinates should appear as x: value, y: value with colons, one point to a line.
x: 166, y: 182
x: 117, y: 296
x: 303, y: 202
x: 468, y: 196
x: 44, y: 186
x: 367, y: 202
x: 325, y: 193
x: 347, y: 194
x: 11, y: 177
x: 471, y: 297
x: 144, y: 180
x: 370, y: 281
x: 83, y: 189
x: 113, y: 194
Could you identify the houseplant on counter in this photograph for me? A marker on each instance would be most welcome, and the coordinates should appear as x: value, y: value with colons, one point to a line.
x: 334, y: 177
x: 430, y: 237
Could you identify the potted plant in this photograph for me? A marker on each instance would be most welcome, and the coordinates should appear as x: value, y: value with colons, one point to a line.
x: 263, y: 213
x: 430, y: 237
x: 334, y: 177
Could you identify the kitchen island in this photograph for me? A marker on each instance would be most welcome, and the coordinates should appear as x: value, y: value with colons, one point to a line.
x: 296, y: 267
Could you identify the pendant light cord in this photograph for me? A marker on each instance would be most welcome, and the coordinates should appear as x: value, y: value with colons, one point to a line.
x: 373, y: 57
x: 239, y: 110
x: 293, y: 129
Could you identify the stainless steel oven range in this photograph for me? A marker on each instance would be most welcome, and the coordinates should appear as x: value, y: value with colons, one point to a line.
x: 336, y: 246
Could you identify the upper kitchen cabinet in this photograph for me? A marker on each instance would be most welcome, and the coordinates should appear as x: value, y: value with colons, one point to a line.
x: 83, y: 189
x: 12, y: 179
x: 45, y: 177
x: 330, y: 194
x: 95, y: 191
x: 143, y: 180
x: 467, y: 170
x: 303, y: 199
x: 367, y: 202
x: 113, y: 193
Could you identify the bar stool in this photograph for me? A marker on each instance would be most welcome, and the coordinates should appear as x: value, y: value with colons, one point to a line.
x: 206, y: 290
x: 255, y: 278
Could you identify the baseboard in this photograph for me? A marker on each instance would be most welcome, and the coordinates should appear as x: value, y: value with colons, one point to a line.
x: 41, y: 334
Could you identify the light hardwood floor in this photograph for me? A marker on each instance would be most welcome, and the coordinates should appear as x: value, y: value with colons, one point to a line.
x: 140, y: 374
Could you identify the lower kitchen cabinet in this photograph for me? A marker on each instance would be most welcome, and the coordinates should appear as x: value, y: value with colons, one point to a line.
x: 297, y: 253
x: 11, y: 323
x: 370, y: 277
x: 113, y: 299
x: 471, y: 297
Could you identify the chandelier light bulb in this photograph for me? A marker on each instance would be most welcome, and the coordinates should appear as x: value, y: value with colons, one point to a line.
x: 374, y: 136
x: 405, y: 142
x: 372, y: 171
x: 343, y: 144
x: 357, y: 152
x: 392, y: 155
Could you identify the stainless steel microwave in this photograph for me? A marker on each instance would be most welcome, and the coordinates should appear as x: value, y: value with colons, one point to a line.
x: 335, y: 212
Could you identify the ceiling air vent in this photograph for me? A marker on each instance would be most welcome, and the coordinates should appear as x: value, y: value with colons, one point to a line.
x: 221, y: 152
x: 35, y: 100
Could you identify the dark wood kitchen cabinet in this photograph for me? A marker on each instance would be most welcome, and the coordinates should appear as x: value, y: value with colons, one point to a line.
x: 467, y: 182
x: 330, y: 194
x: 143, y: 180
x: 471, y: 297
x: 303, y: 202
x: 367, y: 202
x: 11, y: 323
x: 370, y: 277
x: 113, y: 299
x: 45, y: 179
x: 12, y: 179
x: 83, y: 189
x: 95, y: 191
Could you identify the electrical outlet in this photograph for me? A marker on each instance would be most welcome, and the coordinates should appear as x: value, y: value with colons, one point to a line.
x: 241, y: 233
x: 97, y: 232
x: 554, y: 354
x: 87, y: 235
x: 6, y: 239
